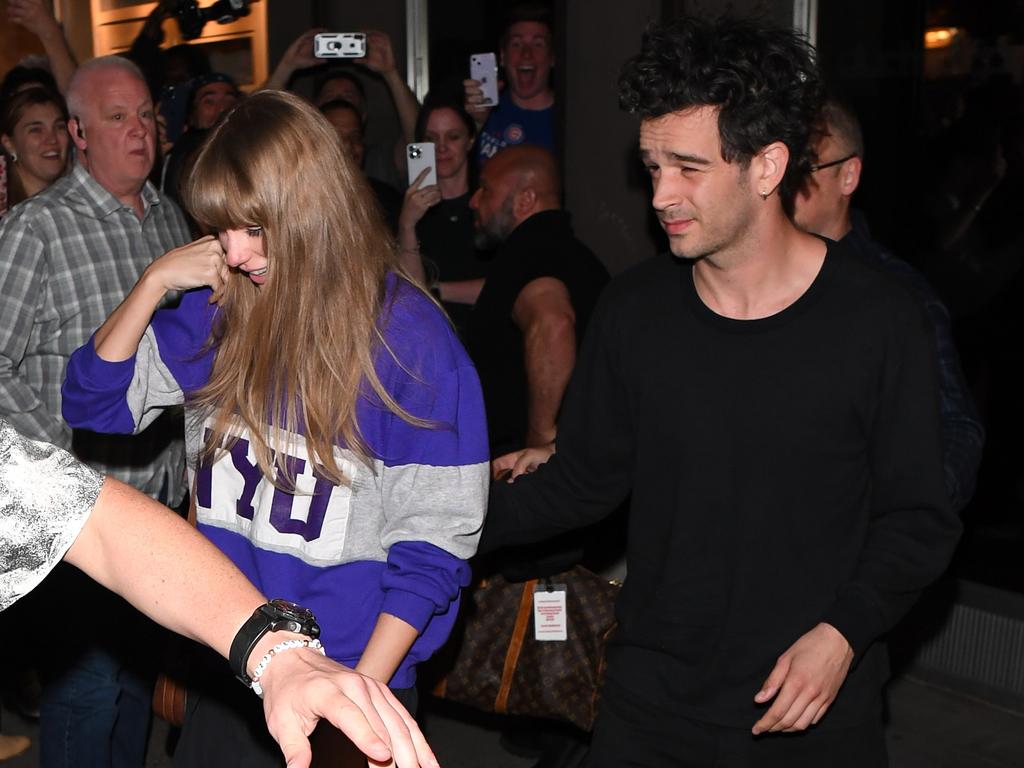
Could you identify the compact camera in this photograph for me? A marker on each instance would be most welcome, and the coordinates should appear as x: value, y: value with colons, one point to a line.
x: 191, y: 18
x: 339, y: 45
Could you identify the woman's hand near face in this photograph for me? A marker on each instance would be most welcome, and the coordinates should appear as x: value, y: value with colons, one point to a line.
x: 198, y: 264
x: 195, y: 265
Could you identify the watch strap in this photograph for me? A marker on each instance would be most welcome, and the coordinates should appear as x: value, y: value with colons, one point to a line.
x: 250, y: 633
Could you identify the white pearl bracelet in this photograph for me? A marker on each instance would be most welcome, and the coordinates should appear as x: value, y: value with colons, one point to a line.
x: 257, y: 673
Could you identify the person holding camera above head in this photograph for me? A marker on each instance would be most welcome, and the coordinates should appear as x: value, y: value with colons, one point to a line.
x: 383, y: 158
x: 335, y: 425
x: 525, y: 113
x: 436, y: 233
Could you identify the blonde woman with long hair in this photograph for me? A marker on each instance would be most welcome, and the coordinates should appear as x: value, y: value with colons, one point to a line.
x: 337, y: 440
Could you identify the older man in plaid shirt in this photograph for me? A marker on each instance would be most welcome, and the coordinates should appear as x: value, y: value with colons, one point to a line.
x: 68, y: 256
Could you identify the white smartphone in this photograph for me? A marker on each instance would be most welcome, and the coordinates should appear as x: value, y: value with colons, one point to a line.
x: 421, y: 155
x: 483, y: 67
x: 339, y: 45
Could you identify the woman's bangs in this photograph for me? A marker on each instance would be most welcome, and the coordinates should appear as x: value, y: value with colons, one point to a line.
x: 215, y: 196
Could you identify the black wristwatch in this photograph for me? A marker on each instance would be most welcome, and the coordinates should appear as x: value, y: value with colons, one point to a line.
x: 274, y: 616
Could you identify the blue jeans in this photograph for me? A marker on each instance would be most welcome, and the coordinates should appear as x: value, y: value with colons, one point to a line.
x: 95, y: 715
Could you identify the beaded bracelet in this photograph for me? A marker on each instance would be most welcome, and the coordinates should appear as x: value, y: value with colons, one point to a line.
x: 257, y: 673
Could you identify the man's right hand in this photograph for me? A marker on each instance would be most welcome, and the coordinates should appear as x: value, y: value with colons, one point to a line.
x: 474, y: 98
x: 198, y: 264
x: 512, y: 465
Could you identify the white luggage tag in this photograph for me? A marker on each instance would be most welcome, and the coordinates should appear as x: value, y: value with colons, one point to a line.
x: 550, y: 621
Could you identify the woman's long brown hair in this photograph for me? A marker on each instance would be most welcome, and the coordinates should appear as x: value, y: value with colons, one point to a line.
x: 297, y: 353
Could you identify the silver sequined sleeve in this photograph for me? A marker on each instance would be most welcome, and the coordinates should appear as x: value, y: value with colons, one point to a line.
x: 46, y: 496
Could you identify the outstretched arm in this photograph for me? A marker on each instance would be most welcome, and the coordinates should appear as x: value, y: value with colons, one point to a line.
x: 37, y: 17
x: 380, y: 58
x: 298, y: 56
x: 160, y: 564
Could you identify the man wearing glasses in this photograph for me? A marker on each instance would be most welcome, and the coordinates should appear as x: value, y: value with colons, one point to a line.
x: 823, y: 206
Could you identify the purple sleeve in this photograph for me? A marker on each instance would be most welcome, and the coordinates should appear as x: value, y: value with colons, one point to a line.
x: 94, y: 392
x: 124, y: 397
x: 434, y: 476
x: 420, y: 581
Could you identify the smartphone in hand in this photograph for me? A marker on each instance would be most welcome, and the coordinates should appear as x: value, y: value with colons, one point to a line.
x: 483, y: 67
x: 421, y: 155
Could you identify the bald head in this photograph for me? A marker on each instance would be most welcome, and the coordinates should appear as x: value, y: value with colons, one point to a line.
x: 91, y: 74
x: 529, y: 167
x: 515, y: 184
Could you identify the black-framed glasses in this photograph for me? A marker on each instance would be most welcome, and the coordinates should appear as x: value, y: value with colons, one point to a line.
x: 822, y: 166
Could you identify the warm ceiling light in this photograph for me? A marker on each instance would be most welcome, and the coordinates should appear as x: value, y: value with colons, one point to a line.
x: 940, y: 37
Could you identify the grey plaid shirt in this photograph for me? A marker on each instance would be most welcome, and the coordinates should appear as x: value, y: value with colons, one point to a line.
x: 68, y: 256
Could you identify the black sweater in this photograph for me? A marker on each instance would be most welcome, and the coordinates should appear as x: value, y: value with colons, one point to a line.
x: 784, y: 472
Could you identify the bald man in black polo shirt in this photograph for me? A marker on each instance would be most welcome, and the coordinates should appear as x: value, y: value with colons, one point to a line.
x: 532, y: 312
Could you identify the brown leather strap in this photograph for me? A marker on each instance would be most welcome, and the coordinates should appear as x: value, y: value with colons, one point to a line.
x: 515, y: 645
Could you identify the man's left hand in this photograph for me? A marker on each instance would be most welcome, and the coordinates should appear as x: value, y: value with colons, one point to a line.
x: 805, y: 681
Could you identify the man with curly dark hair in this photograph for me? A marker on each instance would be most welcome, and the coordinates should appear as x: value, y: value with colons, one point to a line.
x: 771, y: 404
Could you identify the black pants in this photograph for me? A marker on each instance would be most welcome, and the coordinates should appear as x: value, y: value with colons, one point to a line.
x: 627, y: 738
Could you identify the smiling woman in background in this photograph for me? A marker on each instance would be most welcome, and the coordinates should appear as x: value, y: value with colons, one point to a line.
x: 435, y: 230
x: 34, y: 137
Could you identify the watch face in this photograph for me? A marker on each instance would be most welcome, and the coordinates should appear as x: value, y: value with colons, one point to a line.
x: 293, y: 610
x: 294, y: 618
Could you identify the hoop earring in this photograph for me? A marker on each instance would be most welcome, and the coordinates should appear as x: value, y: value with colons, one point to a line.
x: 14, y: 157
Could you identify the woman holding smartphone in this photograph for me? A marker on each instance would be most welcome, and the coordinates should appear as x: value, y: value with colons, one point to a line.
x: 435, y: 229
x: 334, y: 423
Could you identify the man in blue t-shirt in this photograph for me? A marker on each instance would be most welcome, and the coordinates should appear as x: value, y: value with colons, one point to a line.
x: 525, y: 111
